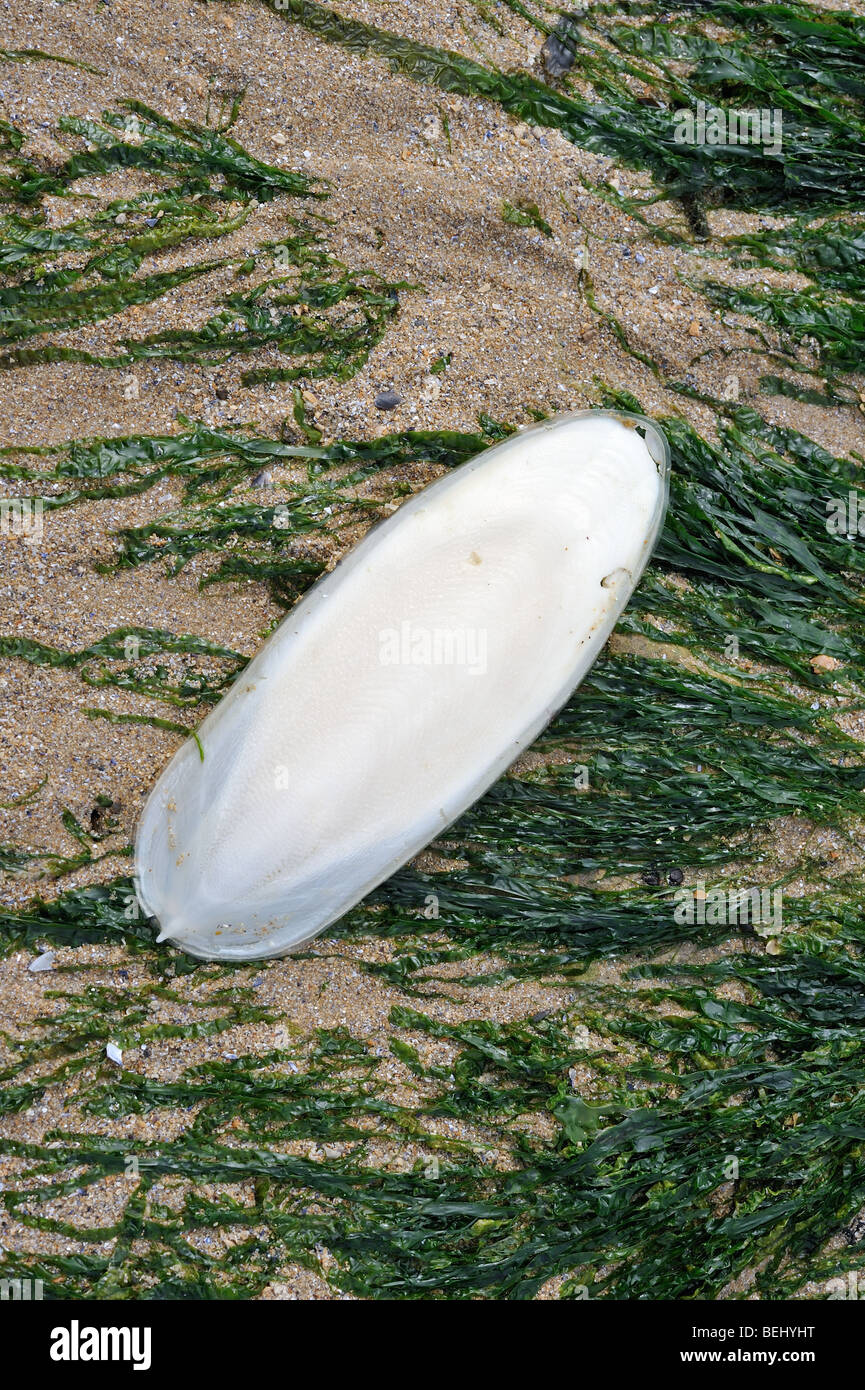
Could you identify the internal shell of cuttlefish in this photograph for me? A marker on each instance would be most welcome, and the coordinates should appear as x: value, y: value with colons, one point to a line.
x: 401, y: 686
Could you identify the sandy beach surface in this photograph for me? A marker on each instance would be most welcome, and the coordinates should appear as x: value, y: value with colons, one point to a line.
x: 417, y: 180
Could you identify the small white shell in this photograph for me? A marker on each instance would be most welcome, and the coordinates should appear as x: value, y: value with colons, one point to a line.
x: 43, y: 962
x: 401, y: 687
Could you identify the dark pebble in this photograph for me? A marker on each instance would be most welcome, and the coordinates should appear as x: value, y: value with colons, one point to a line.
x: 675, y: 876
x: 387, y: 400
x: 558, y: 57
x: 221, y: 393
x: 651, y: 878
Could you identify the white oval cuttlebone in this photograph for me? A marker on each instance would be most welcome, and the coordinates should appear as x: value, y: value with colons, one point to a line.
x: 401, y: 686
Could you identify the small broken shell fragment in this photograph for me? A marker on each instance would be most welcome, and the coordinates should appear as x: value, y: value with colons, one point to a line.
x: 401, y: 687
x: 430, y: 388
x: 824, y: 662
x: 40, y: 963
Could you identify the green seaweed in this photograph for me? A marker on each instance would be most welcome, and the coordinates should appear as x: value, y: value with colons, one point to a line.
x: 687, y: 769
x: 315, y: 311
x: 821, y: 167
x: 525, y: 215
x: 769, y: 65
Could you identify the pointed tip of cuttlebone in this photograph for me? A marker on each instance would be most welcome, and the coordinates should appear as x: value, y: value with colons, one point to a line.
x: 175, y: 930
